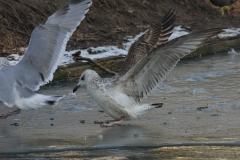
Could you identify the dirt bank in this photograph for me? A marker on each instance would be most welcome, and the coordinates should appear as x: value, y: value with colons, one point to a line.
x: 108, y: 22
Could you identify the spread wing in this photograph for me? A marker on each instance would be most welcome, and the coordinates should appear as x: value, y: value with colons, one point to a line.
x: 153, y: 37
x: 47, y: 44
x: 154, y: 66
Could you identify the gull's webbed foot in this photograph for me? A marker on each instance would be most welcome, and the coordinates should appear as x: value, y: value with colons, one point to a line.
x: 107, y: 121
x: 10, y: 113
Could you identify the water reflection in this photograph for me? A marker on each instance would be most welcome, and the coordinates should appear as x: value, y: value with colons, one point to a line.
x: 128, y: 135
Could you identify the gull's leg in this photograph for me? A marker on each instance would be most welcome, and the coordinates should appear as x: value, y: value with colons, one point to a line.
x: 222, y: 9
x: 228, y: 11
x: 107, y: 121
x: 229, y: 8
x: 10, y: 113
x: 111, y: 124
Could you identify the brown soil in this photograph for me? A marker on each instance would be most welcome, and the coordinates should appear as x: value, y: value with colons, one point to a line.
x: 108, y: 22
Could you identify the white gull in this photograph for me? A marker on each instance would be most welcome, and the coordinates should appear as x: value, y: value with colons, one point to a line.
x: 46, y: 48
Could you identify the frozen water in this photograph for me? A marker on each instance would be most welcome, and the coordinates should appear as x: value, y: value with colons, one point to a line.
x: 200, y: 104
x: 232, y: 52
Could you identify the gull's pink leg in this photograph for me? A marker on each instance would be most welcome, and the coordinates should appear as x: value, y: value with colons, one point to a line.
x: 111, y: 124
x: 10, y: 113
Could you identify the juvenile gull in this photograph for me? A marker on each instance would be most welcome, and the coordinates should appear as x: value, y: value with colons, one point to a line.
x: 46, y: 47
x: 149, y: 60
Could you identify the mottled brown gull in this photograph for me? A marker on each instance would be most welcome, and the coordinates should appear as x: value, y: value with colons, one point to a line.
x: 149, y: 60
x: 46, y: 48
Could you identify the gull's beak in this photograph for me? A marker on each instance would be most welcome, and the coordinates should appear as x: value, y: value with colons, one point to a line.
x: 76, y: 88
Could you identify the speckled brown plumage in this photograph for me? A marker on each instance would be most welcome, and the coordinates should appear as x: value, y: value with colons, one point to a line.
x: 139, y: 81
x: 152, y: 38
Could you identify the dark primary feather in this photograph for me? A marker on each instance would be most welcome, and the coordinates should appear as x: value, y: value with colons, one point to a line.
x: 154, y: 66
x: 153, y: 37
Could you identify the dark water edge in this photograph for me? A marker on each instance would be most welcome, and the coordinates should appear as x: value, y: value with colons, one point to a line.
x: 137, y: 151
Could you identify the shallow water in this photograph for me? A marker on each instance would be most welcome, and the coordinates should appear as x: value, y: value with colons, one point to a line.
x: 201, y: 107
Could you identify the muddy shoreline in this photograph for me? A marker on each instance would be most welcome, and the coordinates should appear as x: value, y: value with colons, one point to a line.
x: 108, y: 22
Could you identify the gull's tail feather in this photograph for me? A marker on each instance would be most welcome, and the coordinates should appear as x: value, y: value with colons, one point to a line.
x: 38, y: 101
x: 157, y: 105
x: 52, y: 100
x: 141, y: 109
x: 25, y: 98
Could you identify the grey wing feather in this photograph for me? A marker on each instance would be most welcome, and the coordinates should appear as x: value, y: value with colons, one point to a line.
x: 153, y: 37
x: 47, y: 44
x: 153, y: 68
x: 6, y: 91
x: 6, y: 83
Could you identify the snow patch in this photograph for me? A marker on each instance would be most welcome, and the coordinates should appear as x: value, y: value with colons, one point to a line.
x: 229, y: 32
x: 107, y: 51
x: 102, y: 51
x: 178, y: 31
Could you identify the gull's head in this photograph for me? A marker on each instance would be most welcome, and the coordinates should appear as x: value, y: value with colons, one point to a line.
x: 85, y: 79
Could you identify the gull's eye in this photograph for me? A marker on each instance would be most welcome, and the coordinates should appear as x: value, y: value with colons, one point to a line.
x: 82, y: 78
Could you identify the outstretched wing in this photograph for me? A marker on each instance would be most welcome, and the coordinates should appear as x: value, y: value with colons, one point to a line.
x: 153, y: 68
x: 47, y: 44
x: 153, y: 37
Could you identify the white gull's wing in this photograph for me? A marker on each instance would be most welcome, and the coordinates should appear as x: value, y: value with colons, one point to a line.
x: 47, y: 44
x: 6, y: 91
x: 153, y: 68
